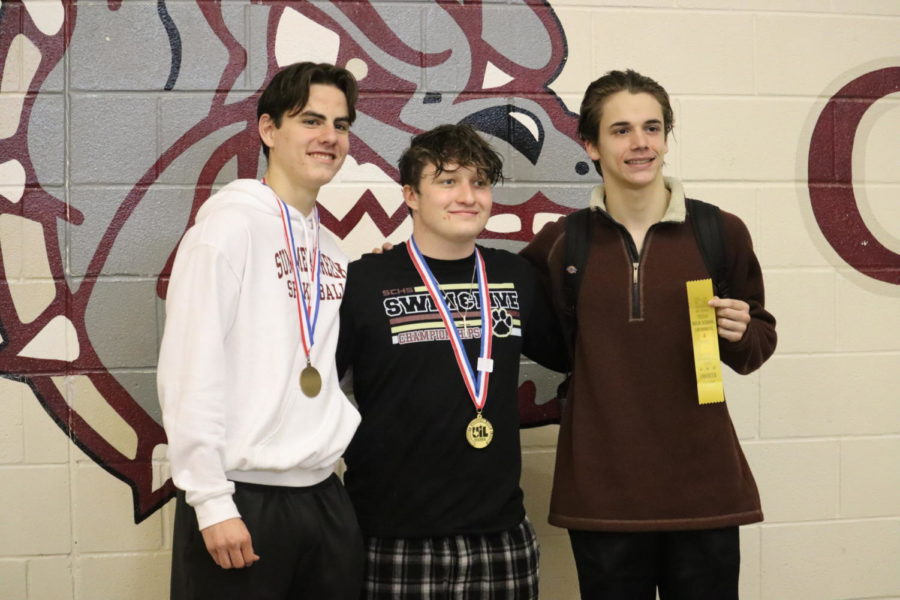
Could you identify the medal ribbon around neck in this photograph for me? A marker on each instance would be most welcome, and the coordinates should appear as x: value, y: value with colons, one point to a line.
x: 477, y: 386
x: 307, y: 313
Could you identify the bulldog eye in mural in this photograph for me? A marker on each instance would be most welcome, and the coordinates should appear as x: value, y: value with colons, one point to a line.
x: 119, y: 118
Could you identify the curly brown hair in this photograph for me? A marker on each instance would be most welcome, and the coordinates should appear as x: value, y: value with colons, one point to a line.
x: 449, y: 144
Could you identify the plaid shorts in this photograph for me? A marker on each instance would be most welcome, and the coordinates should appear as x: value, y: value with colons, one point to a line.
x: 495, y: 566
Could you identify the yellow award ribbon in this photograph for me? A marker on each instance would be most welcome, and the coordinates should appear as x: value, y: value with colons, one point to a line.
x: 704, y: 332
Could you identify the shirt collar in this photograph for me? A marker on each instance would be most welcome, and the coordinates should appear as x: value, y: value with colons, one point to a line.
x: 675, y: 211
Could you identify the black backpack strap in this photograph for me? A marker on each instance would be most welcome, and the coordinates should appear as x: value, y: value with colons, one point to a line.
x: 706, y: 220
x: 578, y: 234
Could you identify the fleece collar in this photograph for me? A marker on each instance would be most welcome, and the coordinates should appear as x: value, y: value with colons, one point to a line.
x: 675, y: 212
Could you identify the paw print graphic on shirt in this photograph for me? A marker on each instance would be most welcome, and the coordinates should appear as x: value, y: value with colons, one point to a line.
x: 502, y: 322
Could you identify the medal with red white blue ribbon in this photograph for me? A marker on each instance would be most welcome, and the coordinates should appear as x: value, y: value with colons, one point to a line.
x: 307, y: 312
x: 479, y: 431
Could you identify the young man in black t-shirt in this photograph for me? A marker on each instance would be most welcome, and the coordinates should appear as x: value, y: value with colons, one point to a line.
x: 433, y: 330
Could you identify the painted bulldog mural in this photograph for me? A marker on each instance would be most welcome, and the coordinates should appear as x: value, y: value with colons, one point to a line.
x: 119, y: 119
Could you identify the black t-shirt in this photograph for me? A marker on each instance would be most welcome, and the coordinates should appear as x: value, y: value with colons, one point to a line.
x: 410, y: 470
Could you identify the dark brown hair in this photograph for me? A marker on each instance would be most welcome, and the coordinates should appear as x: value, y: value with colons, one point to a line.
x: 613, y: 82
x: 288, y: 91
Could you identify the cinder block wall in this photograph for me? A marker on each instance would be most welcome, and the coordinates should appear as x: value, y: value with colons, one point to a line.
x: 107, y: 140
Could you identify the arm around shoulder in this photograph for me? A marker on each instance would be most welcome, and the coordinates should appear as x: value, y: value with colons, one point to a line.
x: 545, y: 343
x: 538, y: 251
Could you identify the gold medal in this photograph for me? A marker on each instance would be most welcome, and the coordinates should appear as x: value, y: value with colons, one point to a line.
x: 310, y: 381
x: 307, y: 312
x: 479, y: 432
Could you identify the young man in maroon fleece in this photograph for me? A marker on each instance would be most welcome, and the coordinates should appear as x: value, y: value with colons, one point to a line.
x: 651, y: 484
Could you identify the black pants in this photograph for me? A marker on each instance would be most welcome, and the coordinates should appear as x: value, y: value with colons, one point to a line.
x: 684, y: 565
x: 307, y: 539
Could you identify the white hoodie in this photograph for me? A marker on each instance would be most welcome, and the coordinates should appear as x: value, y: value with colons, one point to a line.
x: 231, y: 356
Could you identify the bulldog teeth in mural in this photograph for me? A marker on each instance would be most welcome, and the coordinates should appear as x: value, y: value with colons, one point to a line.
x: 119, y: 118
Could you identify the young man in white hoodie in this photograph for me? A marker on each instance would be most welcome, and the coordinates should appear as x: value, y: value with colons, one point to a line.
x: 251, y: 405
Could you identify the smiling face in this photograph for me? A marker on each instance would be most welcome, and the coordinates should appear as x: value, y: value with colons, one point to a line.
x: 449, y: 209
x: 309, y: 147
x: 631, y: 143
